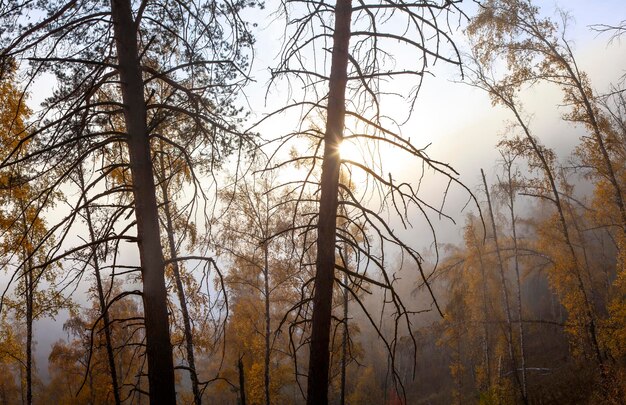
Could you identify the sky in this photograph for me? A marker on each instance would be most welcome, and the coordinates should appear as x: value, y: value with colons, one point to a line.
x: 456, y: 119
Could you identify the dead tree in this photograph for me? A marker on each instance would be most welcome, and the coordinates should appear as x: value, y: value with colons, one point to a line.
x: 505, y: 293
x: 509, y: 187
x: 344, y: 91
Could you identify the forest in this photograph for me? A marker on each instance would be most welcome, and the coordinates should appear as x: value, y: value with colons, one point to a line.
x: 249, y: 202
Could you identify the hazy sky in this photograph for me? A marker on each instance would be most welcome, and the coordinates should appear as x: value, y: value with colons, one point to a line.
x: 459, y: 121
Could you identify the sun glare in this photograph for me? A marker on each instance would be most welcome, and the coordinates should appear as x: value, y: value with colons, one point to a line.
x: 349, y: 151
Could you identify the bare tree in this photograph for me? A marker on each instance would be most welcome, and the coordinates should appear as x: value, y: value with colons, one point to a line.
x: 509, y: 187
x: 344, y: 67
x: 505, y: 295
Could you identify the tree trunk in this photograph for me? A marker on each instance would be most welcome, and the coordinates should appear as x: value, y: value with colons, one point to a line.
x: 344, y: 341
x: 505, y: 293
x: 29, y: 332
x: 101, y: 298
x: 158, y: 346
x: 267, y: 320
x: 242, y: 382
x: 519, y: 284
x: 317, y: 388
x: 29, y: 292
x: 189, y: 346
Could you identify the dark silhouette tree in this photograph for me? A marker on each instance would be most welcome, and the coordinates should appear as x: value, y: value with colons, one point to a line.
x: 106, y: 58
x: 345, y: 88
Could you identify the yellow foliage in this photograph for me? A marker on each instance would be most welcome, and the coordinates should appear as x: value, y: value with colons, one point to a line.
x: 367, y: 390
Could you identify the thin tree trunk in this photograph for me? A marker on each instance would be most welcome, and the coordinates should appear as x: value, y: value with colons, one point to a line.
x: 242, y: 382
x: 317, y: 388
x: 519, y: 284
x: 29, y: 290
x: 267, y: 320
x: 180, y: 291
x: 92, y: 394
x: 344, y: 341
x: 505, y: 293
x: 483, y: 275
x: 158, y: 346
x: 101, y: 298
x: 29, y: 333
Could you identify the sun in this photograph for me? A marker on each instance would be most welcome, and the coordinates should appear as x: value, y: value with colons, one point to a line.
x: 349, y: 150
x: 380, y: 157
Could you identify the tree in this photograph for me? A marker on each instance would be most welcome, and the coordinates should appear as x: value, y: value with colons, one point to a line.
x: 509, y: 188
x: 24, y: 231
x: 505, y: 296
x: 94, y: 258
x: 79, y: 365
x: 263, y: 278
x: 101, y: 48
x: 317, y: 386
x: 475, y: 327
x: 535, y: 50
x: 356, y: 38
x: 543, y: 160
x: 169, y: 175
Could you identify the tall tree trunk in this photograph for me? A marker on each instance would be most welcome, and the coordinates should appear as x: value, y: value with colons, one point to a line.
x: 505, y: 292
x: 317, y: 388
x: 266, y: 287
x: 486, y: 317
x: 29, y: 292
x: 242, y: 382
x: 29, y: 332
x: 101, y: 298
x: 180, y: 291
x: 344, y: 341
x: 158, y: 345
x: 518, y: 282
